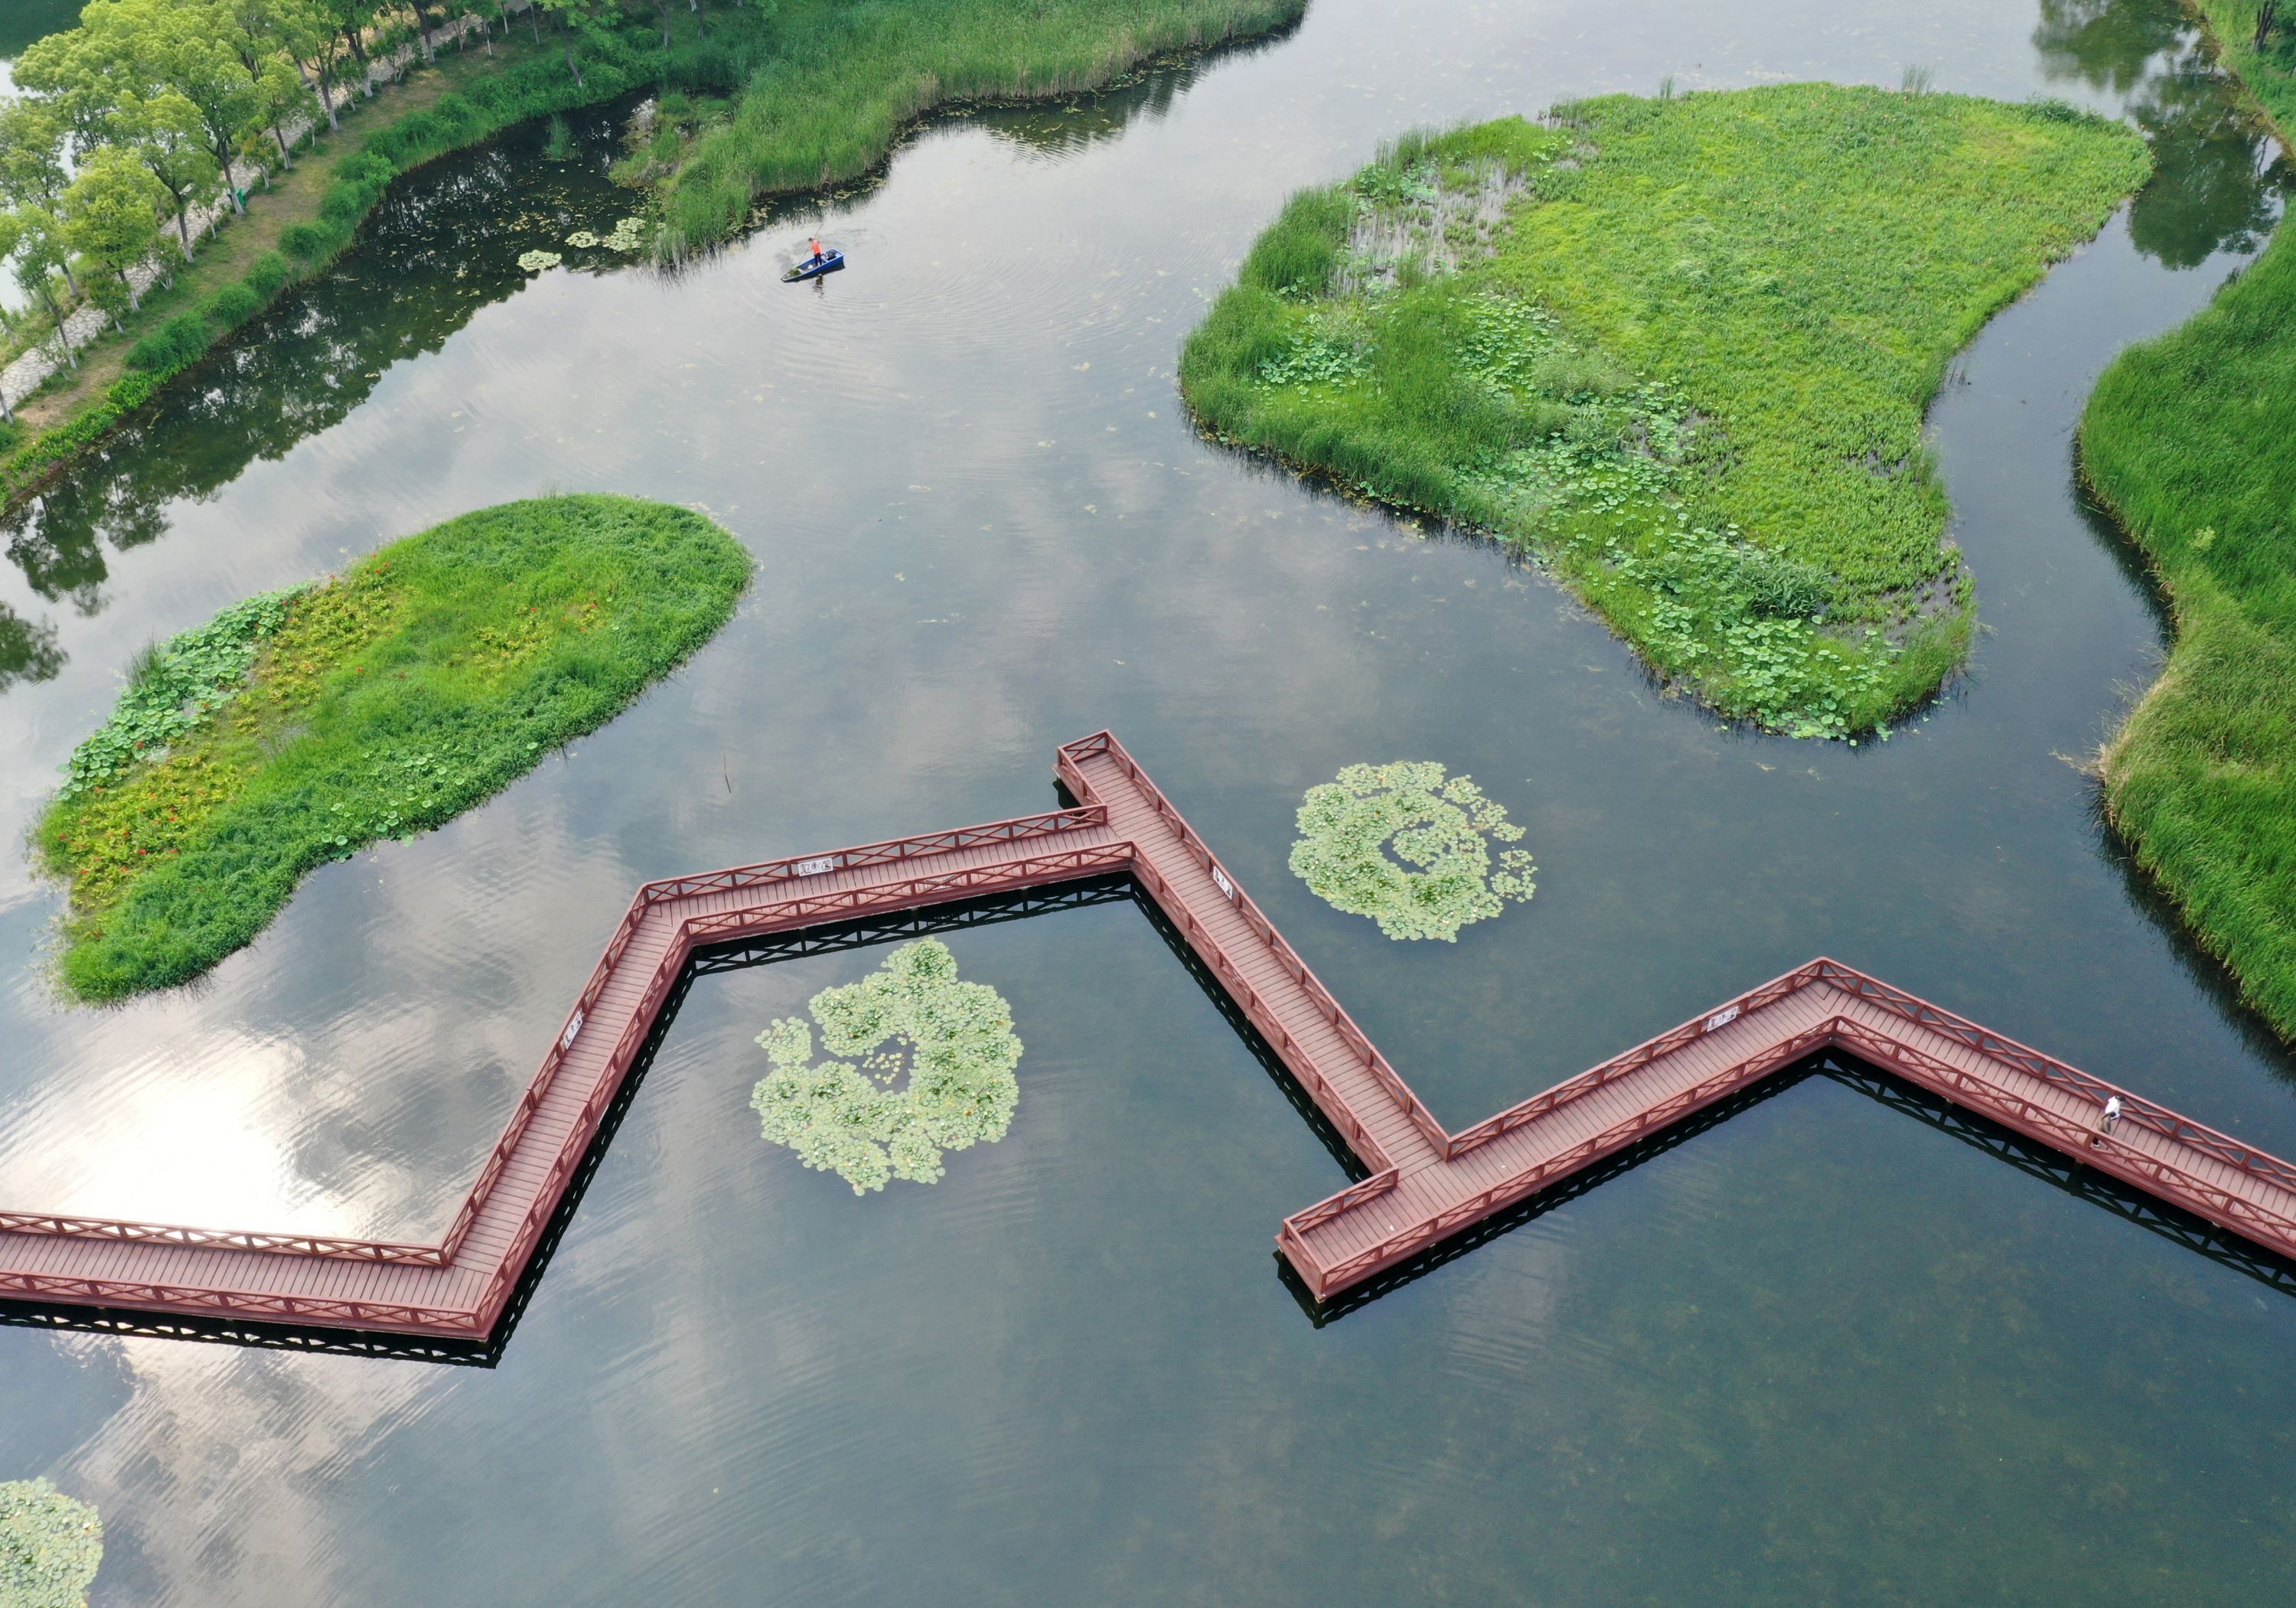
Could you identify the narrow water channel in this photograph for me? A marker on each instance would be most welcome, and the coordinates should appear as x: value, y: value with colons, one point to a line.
x: 1821, y: 1353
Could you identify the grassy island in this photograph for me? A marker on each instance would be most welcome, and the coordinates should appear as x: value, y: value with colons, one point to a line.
x: 1681, y: 348
x: 2191, y: 440
x: 297, y: 726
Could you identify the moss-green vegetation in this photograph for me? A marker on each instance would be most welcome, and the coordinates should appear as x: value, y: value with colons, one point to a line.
x: 51, y: 1546
x: 2257, y: 39
x: 1410, y: 847
x: 296, y: 727
x: 1681, y: 348
x: 933, y: 1071
x: 2191, y: 440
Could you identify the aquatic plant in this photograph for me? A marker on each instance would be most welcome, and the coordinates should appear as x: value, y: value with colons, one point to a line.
x: 534, y: 262
x: 930, y: 1070
x: 51, y: 1546
x: 1678, y: 352
x: 173, y: 688
x: 382, y: 704
x: 582, y: 238
x: 628, y: 234
x: 1411, y: 847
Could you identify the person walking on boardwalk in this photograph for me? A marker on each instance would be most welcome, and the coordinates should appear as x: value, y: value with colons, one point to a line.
x: 2111, y: 1119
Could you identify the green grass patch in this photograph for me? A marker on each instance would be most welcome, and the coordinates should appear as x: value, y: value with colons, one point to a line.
x: 1681, y: 348
x: 296, y: 726
x: 2191, y: 440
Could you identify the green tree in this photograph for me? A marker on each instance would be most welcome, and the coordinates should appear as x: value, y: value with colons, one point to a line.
x: 12, y: 235
x: 350, y: 20
x: 165, y: 133
x: 69, y: 74
x: 581, y: 23
x: 280, y: 97
x: 111, y: 214
x: 152, y: 46
x: 40, y: 253
x: 32, y: 171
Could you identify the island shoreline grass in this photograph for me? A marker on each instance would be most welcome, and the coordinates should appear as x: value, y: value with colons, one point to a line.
x: 1716, y: 444
x: 632, y: 62
x: 297, y: 727
x: 2188, y: 446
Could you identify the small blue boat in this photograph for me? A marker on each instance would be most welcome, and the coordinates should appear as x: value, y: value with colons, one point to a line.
x: 814, y: 267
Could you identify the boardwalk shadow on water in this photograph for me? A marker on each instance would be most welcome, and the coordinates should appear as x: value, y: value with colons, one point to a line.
x: 1982, y: 1133
x: 742, y: 955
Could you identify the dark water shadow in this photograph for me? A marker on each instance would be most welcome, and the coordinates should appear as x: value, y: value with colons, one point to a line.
x: 1982, y: 1133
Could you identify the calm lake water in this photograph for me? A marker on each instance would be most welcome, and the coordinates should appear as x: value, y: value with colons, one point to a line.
x: 1821, y: 1353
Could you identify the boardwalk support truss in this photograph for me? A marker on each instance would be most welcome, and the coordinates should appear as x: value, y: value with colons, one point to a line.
x: 1426, y: 1184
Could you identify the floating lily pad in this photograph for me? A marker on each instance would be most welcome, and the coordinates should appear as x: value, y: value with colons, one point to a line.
x: 933, y: 1071
x: 50, y: 1547
x: 582, y: 238
x: 534, y: 262
x: 1411, y: 847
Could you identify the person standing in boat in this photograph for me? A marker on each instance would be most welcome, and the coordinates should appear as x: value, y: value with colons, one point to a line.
x: 815, y: 244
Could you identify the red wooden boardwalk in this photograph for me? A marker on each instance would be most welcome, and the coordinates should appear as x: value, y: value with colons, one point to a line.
x: 1426, y: 1184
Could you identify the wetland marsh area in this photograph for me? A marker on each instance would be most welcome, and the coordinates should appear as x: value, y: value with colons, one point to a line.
x: 1823, y: 1352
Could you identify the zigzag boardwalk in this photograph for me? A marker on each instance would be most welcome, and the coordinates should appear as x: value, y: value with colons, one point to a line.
x: 1427, y: 1184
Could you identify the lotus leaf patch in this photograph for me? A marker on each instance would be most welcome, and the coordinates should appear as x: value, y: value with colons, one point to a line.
x: 928, y: 1067
x: 50, y: 1547
x: 1410, y: 847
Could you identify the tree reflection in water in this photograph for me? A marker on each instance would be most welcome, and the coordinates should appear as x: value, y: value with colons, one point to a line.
x: 2220, y: 179
x: 443, y: 244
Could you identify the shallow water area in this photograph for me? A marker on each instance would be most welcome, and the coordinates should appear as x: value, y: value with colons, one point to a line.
x: 1821, y: 1352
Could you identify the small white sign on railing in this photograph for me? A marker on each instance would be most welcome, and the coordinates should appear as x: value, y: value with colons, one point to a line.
x: 1219, y: 880
x: 1722, y: 1018
x: 566, y: 1038
x: 827, y: 862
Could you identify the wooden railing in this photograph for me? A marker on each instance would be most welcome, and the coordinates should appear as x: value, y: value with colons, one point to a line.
x: 2134, y: 1108
x: 1225, y: 883
x: 218, y: 1239
x: 799, y: 866
x: 1650, y: 1049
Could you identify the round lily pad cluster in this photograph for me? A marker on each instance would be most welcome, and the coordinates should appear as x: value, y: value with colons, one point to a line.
x: 50, y: 1546
x: 534, y: 262
x: 1411, y: 847
x: 929, y: 1070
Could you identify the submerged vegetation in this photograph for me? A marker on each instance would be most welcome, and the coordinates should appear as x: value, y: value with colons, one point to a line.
x: 1680, y: 350
x: 1410, y: 847
x: 930, y: 1070
x: 296, y: 726
x: 51, y: 1546
x: 2191, y: 440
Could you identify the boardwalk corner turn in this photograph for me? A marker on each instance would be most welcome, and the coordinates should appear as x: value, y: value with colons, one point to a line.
x: 1426, y: 1185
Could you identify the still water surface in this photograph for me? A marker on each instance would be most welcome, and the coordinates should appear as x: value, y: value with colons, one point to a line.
x: 1820, y: 1353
